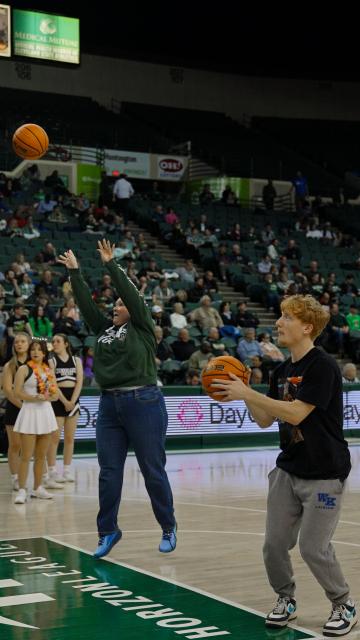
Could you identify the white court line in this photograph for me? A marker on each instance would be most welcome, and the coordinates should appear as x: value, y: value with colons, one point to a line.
x: 313, y: 634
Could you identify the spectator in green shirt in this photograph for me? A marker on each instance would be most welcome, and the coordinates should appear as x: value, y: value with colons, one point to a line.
x: 353, y: 318
x: 39, y: 323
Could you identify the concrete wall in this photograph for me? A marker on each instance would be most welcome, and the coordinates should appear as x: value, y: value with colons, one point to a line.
x: 104, y: 78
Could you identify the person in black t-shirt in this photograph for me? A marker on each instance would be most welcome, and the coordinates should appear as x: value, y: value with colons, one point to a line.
x: 307, y: 484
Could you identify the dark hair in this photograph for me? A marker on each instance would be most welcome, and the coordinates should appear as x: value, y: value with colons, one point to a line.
x: 66, y: 341
x: 43, y: 346
x: 35, y: 315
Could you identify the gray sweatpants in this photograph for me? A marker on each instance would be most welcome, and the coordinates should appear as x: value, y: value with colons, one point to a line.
x: 309, y: 509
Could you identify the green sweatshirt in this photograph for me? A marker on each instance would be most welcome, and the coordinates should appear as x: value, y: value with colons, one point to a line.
x: 123, y: 356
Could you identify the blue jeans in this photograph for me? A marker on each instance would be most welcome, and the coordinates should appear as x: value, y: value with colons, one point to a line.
x: 138, y: 417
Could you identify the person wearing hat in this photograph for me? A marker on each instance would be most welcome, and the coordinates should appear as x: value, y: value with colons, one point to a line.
x: 160, y: 317
x: 132, y: 409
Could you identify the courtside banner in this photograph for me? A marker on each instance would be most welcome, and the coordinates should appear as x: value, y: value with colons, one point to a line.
x: 200, y: 415
x: 5, y: 38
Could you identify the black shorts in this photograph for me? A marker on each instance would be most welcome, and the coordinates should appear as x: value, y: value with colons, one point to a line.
x: 59, y: 408
x: 11, y: 413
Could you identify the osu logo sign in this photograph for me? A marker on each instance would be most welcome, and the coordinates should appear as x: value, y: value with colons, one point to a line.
x: 171, y: 165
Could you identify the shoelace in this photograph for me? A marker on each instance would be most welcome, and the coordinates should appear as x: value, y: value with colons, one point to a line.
x: 280, y: 605
x: 167, y: 535
x: 337, y: 612
x: 101, y: 541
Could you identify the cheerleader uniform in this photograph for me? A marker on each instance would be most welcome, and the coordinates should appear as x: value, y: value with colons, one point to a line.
x: 11, y: 410
x: 65, y: 371
x: 35, y: 418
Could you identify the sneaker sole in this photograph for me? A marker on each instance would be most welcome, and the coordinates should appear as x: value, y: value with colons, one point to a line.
x: 337, y: 634
x: 281, y: 623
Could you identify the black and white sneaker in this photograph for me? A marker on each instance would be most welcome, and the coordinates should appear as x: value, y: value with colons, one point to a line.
x: 282, y: 613
x: 342, y: 619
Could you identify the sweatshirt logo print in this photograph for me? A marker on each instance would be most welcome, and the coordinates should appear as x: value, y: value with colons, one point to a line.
x: 287, y: 391
x: 114, y: 333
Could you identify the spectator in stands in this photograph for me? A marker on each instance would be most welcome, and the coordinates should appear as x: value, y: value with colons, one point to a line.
x: 183, y: 347
x: 47, y: 287
x: 47, y: 255
x: 40, y: 325
x: 187, y: 273
x: 248, y: 346
x: 256, y: 376
x: 292, y: 251
x: 206, y: 316
x: 271, y: 297
x: 325, y: 300
x: 57, y: 216
x: 269, y: 349
x: 226, y: 314
x: 171, y: 217
x: 74, y: 311
x: 177, y: 318
x: 55, y: 183
x: 192, y: 378
x: 337, y: 330
x: 10, y: 285
x: 26, y: 286
x: 210, y: 283
x: 353, y: 318
x: 237, y: 257
x: 267, y: 234
x: 46, y: 206
x: 194, y: 241
x: 264, y: 265
x: 235, y: 233
x: 316, y: 286
x: 162, y: 291
x: 163, y: 349
x: 155, y: 194
x: 197, y: 291
x: 331, y: 285
x: 180, y: 296
x: 65, y: 324
x: 160, y: 317
x: 152, y: 271
x: 348, y: 287
x: 349, y: 374
x: 272, y: 250
x: 206, y: 196
x: 268, y: 195
x: 122, y: 193
x: 199, y: 359
x: 18, y: 322
x: 300, y: 188
x: 48, y: 310
x: 29, y: 231
x: 88, y: 364
x: 243, y: 317
x: 217, y: 346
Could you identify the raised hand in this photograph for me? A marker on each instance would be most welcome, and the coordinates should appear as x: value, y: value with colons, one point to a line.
x: 68, y: 259
x: 106, y: 250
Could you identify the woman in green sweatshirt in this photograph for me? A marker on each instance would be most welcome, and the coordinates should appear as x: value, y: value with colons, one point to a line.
x: 132, y: 408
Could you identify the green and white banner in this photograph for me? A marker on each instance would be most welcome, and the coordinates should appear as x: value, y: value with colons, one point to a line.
x: 88, y: 180
x: 46, y: 36
x: 5, y: 38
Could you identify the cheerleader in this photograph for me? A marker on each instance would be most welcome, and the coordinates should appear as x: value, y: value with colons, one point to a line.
x: 35, y: 385
x: 13, y: 404
x: 69, y: 376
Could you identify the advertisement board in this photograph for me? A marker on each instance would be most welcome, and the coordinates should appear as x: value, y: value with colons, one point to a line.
x: 88, y: 180
x: 135, y: 165
x: 5, y: 31
x: 200, y: 415
x: 46, y: 36
x: 171, y: 167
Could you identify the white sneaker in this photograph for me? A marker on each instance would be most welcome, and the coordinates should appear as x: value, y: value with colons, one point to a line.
x: 41, y: 493
x: 21, y: 497
x: 68, y: 476
x: 50, y: 483
x: 342, y: 619
x: 56, y: 477
x: 15, y: 484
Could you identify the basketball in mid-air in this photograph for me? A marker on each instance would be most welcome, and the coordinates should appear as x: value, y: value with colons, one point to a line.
x: 220, y: 368
x: 30, y: 141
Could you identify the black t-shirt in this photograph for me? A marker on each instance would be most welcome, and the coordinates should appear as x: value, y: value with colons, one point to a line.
x: 315, y: 448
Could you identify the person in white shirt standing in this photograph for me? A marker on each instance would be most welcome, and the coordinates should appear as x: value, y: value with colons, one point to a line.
x: 122, y: 193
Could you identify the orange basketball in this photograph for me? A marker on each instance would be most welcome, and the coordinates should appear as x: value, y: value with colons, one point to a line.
x: 30, y: 141
x: 219, y: 368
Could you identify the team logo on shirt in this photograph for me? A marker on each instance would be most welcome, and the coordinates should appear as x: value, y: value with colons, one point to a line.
x: 114, y: 333
x: 287, y: 388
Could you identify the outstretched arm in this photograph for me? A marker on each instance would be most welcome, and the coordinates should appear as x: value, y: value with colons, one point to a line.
x: 92, y: 315
x: 123, y: 285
